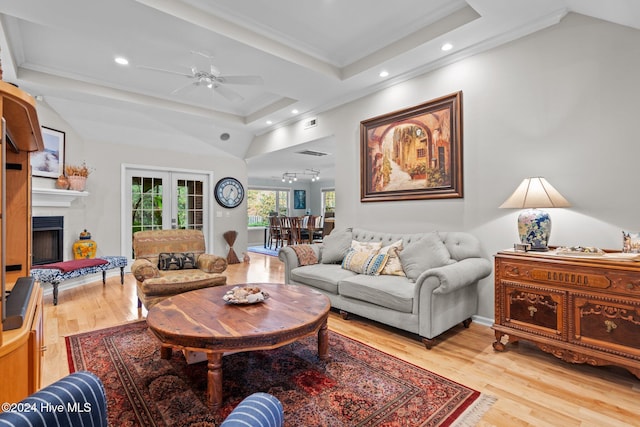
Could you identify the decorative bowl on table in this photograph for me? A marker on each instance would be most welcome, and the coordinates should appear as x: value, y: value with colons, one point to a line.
x: 580, y: 251
x: 245, y: 295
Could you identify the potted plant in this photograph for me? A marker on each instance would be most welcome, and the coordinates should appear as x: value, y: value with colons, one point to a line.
x: 77, y: 176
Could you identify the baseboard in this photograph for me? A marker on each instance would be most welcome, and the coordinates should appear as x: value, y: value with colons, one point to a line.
x: 486, y: 321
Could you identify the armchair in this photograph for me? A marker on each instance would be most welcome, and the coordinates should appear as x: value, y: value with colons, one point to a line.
x: 79, y: 400
x: 180, y: 273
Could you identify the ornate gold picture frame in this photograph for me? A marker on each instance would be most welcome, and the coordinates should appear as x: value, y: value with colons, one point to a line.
x: 414, y: 153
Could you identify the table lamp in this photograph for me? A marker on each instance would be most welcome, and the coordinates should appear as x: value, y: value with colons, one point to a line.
x: 534, y: 225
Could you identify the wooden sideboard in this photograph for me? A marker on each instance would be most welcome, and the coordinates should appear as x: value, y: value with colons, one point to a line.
x: 580, y: 309
x: 20, y: 347
x: 21, y: 354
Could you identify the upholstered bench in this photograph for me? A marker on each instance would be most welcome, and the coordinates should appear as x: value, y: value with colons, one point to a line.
x: 60, y: 271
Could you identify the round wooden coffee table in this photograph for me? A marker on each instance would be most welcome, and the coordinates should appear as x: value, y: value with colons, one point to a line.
x: 201, y: 320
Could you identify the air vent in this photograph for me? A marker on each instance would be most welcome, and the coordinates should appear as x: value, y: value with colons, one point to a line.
x: 312, y: 153
x: 311, y: 123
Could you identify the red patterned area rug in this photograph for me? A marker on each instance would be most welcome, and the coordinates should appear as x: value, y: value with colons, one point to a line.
x: 358, y: 386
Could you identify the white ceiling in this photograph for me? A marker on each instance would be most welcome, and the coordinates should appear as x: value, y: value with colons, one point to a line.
x: 311, y: 56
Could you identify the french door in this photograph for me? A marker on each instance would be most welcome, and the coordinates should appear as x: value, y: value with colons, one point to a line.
x: 162, y: 199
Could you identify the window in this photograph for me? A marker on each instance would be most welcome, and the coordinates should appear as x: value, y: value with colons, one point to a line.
x: 264, y: 202
x: 328, y: 200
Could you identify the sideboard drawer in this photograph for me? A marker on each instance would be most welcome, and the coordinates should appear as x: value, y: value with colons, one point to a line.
x: 609, y: 324
x: 616, y: 281
x: 534, y: 309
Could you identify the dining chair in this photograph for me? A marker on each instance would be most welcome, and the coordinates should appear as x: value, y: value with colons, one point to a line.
x: 275, y: 233
x: 296, y: 229
x: 318, y: 230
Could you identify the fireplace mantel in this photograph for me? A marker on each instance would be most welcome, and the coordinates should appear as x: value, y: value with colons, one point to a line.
x: 55, y: 197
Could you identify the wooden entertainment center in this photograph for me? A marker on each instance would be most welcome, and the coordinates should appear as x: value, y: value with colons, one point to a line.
x: 581, y: 309
x: 21, y: 336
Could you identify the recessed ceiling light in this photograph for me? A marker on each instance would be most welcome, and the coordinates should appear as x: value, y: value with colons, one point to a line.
x: 121, y: 60
x: 383, y: 73
x: 447, y: 46
x: 269, y: 122
x: 294, y: 111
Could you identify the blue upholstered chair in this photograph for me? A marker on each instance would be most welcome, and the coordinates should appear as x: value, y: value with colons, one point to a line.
x: 76, y: 400
x: 257, y: 410
x: 79, y: 400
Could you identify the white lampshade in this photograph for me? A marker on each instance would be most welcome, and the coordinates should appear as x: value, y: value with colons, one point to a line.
x: 535, y: 193
x: 534, y: 225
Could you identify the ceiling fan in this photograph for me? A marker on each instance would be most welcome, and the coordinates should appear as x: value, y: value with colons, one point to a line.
x: 211, y: 79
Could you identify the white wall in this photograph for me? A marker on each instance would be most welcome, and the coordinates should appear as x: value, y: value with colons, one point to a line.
x: 561, y: 103
x: 100, y: 211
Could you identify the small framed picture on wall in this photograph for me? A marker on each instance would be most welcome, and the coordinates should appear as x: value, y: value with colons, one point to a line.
x: 299, y: 199
x: 49, y: 163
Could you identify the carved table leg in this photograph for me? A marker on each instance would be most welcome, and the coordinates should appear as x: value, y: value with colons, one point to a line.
x: 214, y: 380
x: 498, y: 346
x: 165, y: 352
x: 323, y: 342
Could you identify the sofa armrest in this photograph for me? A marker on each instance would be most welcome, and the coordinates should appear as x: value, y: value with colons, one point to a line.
x: 211, y: 263
x: 290, y: 259
x: 78, y: 399
x: 143, y: 269
x: 458, y: 275
x: 259, y: 409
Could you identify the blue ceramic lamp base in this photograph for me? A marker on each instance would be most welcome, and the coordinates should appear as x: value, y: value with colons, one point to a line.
x: 534, y: 228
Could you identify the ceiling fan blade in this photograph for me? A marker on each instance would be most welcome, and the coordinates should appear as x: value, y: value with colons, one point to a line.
x: 231, y: 95
x: 241, y: 80
x: 214, y: 70
x: 181, y: 88
x: 179, y: 73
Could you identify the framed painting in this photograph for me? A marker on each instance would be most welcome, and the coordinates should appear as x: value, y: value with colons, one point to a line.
x: 50, y: 162
x: 414, y: 153
x: 299, y: 199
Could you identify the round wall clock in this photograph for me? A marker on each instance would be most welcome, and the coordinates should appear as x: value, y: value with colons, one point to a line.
x: 229, y: 192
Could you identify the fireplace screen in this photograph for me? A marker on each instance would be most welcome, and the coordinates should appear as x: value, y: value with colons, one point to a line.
x: 47, y: 239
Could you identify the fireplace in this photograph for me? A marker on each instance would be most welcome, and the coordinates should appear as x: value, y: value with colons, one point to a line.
x: 47, y: 239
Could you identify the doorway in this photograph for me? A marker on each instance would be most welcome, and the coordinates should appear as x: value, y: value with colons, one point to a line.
x: 157, y: 199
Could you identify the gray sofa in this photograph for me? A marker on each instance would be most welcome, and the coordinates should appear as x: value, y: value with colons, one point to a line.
x: 437, y: 291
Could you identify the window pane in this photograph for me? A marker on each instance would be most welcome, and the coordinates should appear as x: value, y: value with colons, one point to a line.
x: 328, y: 201
x: 190, y: 209
x: 262, y: 203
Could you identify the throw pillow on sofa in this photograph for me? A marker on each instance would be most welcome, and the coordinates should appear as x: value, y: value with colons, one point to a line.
x: 335, y: 246
x: 366, y: 246
x: 393, y: 267
x: 305, y: 254
x: 176, y: 261
x: 421, y: 255
x: 361, y: 262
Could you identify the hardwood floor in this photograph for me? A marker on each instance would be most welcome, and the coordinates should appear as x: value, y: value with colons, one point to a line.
x: 532, y: 388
